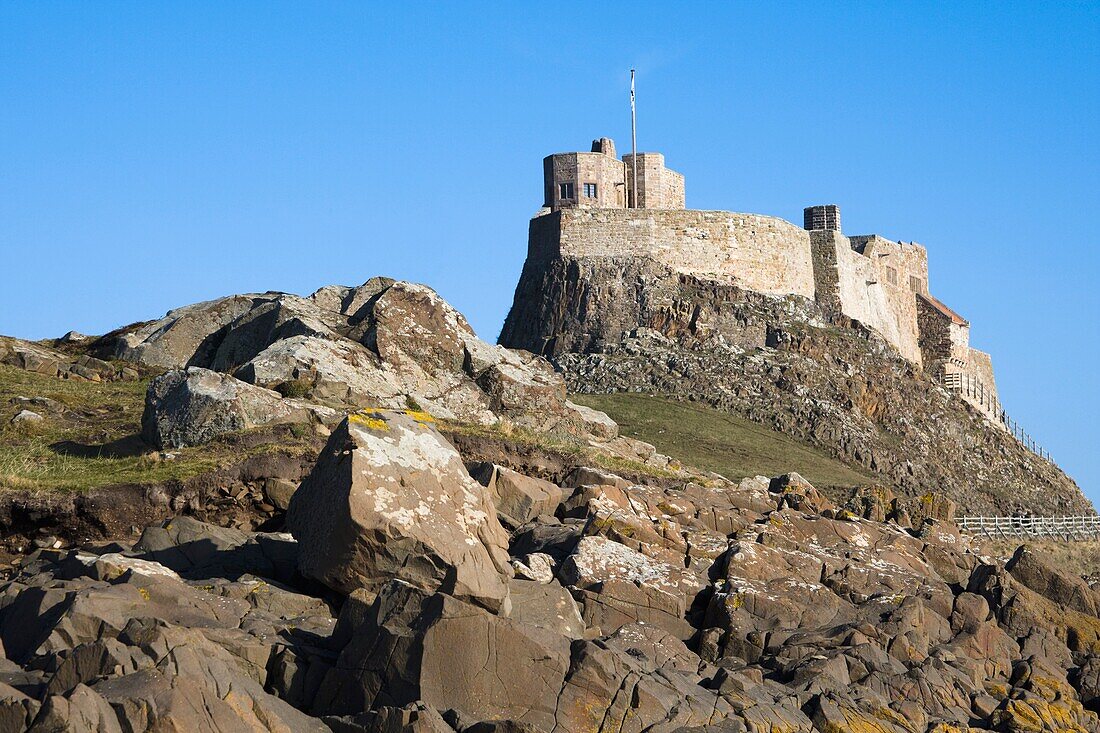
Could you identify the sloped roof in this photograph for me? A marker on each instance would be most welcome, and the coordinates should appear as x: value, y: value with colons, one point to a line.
x: 938, y: 305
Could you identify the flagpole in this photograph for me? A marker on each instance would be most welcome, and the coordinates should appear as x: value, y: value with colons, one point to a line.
x: 633, y: 142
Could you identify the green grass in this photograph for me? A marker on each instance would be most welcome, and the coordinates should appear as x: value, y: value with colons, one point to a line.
x: 571, y: 447
x: 717, y: 441
x: 94, y: 442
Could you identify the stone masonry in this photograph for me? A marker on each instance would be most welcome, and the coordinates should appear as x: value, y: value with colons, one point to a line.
x: 826, y: 217
x: 599, y: 180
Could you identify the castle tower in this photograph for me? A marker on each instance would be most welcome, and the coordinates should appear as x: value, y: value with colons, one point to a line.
x: 599, y: 180
x: 658, y: 187
x: 825, y: 217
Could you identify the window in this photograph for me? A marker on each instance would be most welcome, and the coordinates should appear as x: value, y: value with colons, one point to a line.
x: 891, y: 275
x: 590, y: 190
x: 566, y: 191
x: 916, y: 284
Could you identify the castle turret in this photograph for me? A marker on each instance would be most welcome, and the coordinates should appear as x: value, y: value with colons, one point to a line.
x: 658, y: 187
x: 599, y: 180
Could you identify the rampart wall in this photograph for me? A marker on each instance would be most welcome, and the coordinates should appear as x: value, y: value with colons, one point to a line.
x: 863, y: 298
x: 760, y: 253
x: 896, y: 272
x: 868, y: 278
x: 980, y: 365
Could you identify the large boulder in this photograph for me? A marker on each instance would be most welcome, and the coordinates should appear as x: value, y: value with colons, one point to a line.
x: 450, y: 655
x: 390, y: 498
x: 192, y: 406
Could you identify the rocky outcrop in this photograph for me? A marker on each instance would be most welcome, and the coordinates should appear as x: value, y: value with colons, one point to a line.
x: 668, y: 607
x: 41, y: 359
x: 383, y: 344
x: 630, y: 325
x: 186, y: 407
x: 390, y: 499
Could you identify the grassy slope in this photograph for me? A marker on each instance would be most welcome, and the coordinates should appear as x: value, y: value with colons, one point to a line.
x: 720, y: 442
x: 93, y: 442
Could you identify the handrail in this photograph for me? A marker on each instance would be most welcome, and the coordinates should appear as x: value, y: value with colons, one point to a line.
x: 971, y: 387
x: 1083, y: 527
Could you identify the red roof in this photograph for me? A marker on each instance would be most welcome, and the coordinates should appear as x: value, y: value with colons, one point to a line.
x: 955, y: 317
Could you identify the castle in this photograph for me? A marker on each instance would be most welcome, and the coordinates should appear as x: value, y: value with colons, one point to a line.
x: 591, y: 210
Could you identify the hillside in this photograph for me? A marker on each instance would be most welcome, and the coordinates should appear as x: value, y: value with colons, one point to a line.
x: 719, y: 441
x: 630, y: 324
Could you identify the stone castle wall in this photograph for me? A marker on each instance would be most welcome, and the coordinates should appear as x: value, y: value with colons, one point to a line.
x: 935, y: 336
x: 898, y: 271
x: 863, y: 298
x: 604, y: 170
x: 760, y: 253
x: 658, y: 187
x: 763, y: 254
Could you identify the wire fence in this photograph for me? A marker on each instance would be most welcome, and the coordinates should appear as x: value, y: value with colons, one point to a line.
x: 1063, y: 528
x: 972, y: 388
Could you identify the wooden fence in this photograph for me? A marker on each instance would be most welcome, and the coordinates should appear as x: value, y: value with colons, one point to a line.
x: 1061, y: 528
x: 973, y: 388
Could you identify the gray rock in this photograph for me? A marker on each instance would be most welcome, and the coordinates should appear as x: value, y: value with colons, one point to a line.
x: 452, y: 656
x: 27, y: 417
x: 537, y: 566
x: 193, y: 406
x: 384, y: 343
x: 278, y: 492
x: 546, y: 606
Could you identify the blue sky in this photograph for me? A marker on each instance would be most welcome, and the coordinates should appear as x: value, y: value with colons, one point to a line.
x: 155, y: 154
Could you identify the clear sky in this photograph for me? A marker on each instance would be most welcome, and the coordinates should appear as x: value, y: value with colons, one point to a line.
x: 156, y: 154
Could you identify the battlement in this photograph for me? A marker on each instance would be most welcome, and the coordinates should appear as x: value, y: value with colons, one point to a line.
x: 599, y: 180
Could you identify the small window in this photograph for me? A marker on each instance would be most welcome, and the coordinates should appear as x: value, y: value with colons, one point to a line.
x: 891, y: 275
x: 916, y: 284
x: 566, y: 191
x: 590, y: 190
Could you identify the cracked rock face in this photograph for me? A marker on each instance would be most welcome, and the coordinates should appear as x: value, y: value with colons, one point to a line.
x: 390, y: 498
x: 384, y: 343
x: 670, y: 606
x: 191, y: 406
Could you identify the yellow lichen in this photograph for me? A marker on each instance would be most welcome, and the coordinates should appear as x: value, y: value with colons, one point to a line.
x: 366, y: 419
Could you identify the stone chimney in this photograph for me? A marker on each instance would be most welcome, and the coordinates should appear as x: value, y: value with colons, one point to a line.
x: 821, y: 218
x: 604, y: 145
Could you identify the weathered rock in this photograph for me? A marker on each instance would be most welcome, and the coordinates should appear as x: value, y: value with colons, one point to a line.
x: 413, y: 718
x: 385, y: 343
x: 450, y: 655
x: 546, y: 606
x: 1061, y: 588
x: 34, y: 357
x: 27, y: 417
x: 618, y: 585
x: 278, y: 492
x: 632, y: 324
x: 518, y: 498
x: 390, y: 499
x: 537, y: 566
x: 193, y: 406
